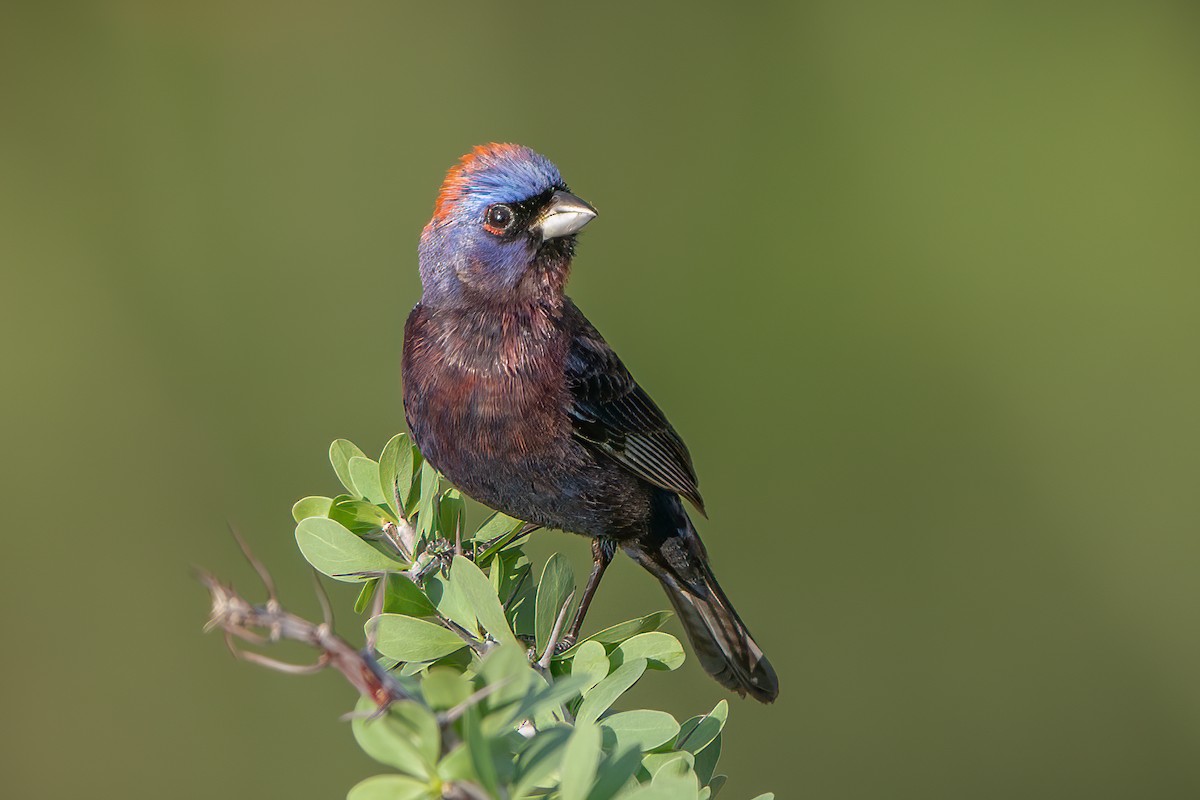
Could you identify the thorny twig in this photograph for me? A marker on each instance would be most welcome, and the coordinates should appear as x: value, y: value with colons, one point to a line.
x: 238, y: 618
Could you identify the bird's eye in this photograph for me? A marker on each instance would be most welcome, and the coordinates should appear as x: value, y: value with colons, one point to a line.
x: 499, y: 218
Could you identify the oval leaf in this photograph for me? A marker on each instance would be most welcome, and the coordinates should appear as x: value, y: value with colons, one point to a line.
x: 396, y: 472
x: 450, y: 601
x: 661, y: 650
x: 340, y: 453
x: 427, y: 506
x: 390, y: 787
x: 411, y: 639
x: 500, y: 530
x: 698, y: 732
x: 482, y: 750
x: 606, y: 692
x: 556, y: 585
x: 365, y: 474
x: 314, y: 506
x: 444, y: 688
x: 539, y: 758
x: 670, y: 764
x: 580, y: 760
x: 338, y: 553
x: 625, y: 630
x: 391, y: 739
x: 591, y: 662
x: 643, y: 729
x: 359, y: 516
x: 706, y: 760
x: 405, y: 597
x: 478, y: 591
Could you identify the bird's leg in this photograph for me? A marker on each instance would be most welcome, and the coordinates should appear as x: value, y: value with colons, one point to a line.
x: 603, y: 549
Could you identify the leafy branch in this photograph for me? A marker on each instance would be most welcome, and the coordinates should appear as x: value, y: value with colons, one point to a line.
x: 467, y: 687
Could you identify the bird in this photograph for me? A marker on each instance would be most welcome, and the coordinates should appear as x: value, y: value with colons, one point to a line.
x: 516, y: 398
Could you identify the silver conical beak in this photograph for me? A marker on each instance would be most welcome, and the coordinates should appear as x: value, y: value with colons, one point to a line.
x: 564, y: 215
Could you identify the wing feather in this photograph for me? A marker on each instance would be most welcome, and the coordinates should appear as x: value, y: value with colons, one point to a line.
x: 616, y: 416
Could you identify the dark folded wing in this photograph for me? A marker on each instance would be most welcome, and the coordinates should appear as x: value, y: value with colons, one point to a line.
x: 616, y: 416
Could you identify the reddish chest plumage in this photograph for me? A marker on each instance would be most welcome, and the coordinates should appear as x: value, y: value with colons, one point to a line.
x: 485, y: 387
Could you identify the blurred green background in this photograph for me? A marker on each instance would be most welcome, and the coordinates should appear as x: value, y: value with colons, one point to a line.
x: 917, y: 282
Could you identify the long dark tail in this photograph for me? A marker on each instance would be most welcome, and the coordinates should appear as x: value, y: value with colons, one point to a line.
x: 673, y: 552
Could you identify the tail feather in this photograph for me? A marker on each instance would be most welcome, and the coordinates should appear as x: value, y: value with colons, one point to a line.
x: 722, y: 642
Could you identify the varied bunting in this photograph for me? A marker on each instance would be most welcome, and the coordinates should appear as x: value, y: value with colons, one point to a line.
x: 512, y: 394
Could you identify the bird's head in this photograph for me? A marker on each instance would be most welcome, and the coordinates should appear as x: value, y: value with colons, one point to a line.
x: 503, y: 229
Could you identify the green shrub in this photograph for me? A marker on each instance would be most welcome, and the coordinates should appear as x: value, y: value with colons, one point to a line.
x: 480, y: 698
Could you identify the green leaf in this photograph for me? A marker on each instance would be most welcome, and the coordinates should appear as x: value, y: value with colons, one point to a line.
x: 498, y: 527
x: 675, y: 762
x: 393, y: 740
x: 451, y: 510
x: 616, y: 771
x: 390, y: 787
x: 625, y: 630
x: 706, y: 760
x: 643, y: 729
x: 357, y: 516
x: 427, y: 507
x: 580, y: 760
x: 592, y: 662
x: 677, y: 778
x: 482, y: 754
x: 410, y: 639
x: 766, y: 796
x: 365, y: 474
x: 540, y: 758
x: 512, y: 575
x: 506, y: 670
x: 456, y: 765
x: 659, y: 792
x: 497, y: 524
x: 543, y: 703
x: 365, y: 595
x: 396, y: 471
x: 340, y: 453
x: 336, y: 552
x: 414, y: 493
x: 444, y: 688
x: 606, y: 692
x: 314, y: 506
x: 451, y: 603
x: 405, y: 597
x: 661, y: 650
x: 716, y: 785
x: 556, y: 585
x: 698, y: 732
x: 478, y: 592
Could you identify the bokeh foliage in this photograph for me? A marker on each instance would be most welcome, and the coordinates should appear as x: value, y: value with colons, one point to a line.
x: 493, y: 698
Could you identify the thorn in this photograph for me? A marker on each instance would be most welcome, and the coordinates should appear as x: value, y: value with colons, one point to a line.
x: 323, y: 597
x: 283, y: 666
x: 232, y: 647
x: 350, y: 716
x: 263, y: 575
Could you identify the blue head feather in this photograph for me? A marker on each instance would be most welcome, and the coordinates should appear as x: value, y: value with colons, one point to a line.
x: 458, y: 256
